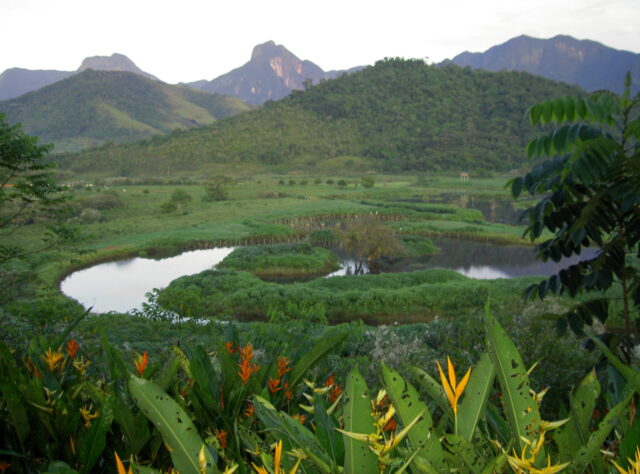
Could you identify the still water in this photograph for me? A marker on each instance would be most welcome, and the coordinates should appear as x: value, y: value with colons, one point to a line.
x: 121, y: 286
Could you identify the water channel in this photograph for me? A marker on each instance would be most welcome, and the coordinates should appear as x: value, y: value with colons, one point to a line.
x: 121, y: 286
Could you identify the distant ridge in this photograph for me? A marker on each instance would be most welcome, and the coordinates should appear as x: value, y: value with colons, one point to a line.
x: 94, y: 107
x: 271, y: 74
x: 586, y: 63
x: 17, y: 81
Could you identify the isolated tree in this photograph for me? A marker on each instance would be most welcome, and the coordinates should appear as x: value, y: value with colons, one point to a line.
x: 217, y: 189
x: 589, y: 185
x: 367, y: 240
x: 28, y: 191
x: 368, y: 181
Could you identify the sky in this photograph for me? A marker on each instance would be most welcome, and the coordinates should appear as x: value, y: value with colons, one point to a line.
x: 188, y: 40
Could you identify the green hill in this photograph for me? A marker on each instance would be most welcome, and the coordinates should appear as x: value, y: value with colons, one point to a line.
x: 399, y: 115
x: 94, y: 107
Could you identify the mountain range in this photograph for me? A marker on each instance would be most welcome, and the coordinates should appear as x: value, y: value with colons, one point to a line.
x: 271, y: 74
x: 396, y: 116
x: 586, y: 63
x: 92, y: 107
x: 17, y: 81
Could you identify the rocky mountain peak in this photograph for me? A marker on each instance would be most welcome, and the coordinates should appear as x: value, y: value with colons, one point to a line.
x: 115, y: 62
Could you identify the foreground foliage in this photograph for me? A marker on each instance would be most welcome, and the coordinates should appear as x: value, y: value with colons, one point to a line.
x: 590, y: 196
x: 210, y: 411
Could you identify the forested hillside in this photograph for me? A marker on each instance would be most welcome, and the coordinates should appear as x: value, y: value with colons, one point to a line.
x: 399, y: 115
x: 93, y: 107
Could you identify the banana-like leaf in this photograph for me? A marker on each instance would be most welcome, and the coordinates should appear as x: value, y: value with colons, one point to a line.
x: 177, y: 430
x: 326, y: 433
x: 314, y: 355
x: 632, y: 376
x: 294, y: 431
x: 476, y: 394
x: 406, y: 400
x: 520, y: 408
x: 566, y: 438
x: 357, y: 419
x: 583, y: 402
x: 434, y: 389
x: 461, y: 453
x: 587, y: 454
x: 95, y: 438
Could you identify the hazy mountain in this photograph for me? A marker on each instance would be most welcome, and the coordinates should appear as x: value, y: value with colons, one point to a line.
x: 16, y: 81
x: 115, y: 62
x: 271, y: 74
x: 396, y: 116
x: 589, y: 64
x: 92, y: 107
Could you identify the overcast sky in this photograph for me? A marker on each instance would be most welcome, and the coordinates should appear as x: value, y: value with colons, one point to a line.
x: 187, y: 40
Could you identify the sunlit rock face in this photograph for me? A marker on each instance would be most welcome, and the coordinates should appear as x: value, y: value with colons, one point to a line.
x: 271, y: 74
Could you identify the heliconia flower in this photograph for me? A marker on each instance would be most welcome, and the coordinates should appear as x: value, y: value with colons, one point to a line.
x: 247, y: 368
x: 141, y: 363
x: 72, y: 348
x: 274, y: 385
x: 277, y: 458
x: 288, y: 394
x: 120, y: 466
x: 283, y: 366
x: 222, y: 437
x: 81, y: 365
x: 53, y: 359
x: 87, y: 415
x: 452, y: 388
x: 301, y: 418
x: 229, y: 346
x: 634, y: 464
x: 390, y: 425
x: 334, y: 393
x: 4, y: 465
x: 249, y: 411
x: 525, y: 462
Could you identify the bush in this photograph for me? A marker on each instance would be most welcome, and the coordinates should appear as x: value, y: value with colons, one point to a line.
x: 342, y: 183
x: 368, y: 181
x: 180, y: 197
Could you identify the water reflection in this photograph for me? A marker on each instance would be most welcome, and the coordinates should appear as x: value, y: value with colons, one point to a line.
x: 121, y: 286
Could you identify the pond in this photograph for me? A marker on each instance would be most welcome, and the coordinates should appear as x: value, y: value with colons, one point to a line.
x: 121, y: 286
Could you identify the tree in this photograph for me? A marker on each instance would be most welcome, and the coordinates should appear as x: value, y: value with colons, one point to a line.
x: 217, y: 189
x: 28, y: 192
x: 367, y: 240
x: 368, y: 181
x: 589, y: 185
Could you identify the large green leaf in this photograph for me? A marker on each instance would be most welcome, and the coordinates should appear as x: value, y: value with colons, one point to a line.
x: 433, y: 389
x: 294, y: 431
x: 462, y: 453
x: 591, y: 451
x: 476, y: 394
x: 519, y: 406
x: 314, y: 355
x: 177, y: 430
x: 94, y: 440
x: 357, y: 419
x: 406, y: 400
x: 583, y: 402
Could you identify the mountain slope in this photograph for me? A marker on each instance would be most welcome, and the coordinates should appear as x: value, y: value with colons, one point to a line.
x: 271, y: 74
x: 589, y: 64
x: 16, y: 81
x: 395, y: 116
x: 92, y: 107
